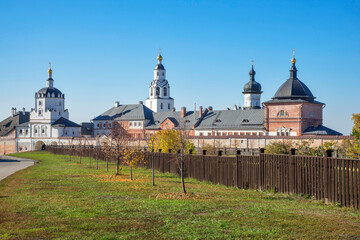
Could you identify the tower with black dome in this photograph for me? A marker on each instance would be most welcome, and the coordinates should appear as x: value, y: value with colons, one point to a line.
x: 252, y: 91
x: 49, y: 103
x: 159, y: 99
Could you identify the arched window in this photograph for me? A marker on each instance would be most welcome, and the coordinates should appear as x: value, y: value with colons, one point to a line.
x: 157, y: 91
x: 282, y: 113
x: 151, y: 91
x: 165, y: 91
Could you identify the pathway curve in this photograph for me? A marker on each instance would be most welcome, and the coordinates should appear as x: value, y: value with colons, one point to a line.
x: 10, y: 165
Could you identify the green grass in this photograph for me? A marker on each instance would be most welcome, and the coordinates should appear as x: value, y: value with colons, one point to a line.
x: 59, y: 199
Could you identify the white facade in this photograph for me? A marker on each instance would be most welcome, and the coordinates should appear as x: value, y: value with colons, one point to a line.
x: 159, y: 99
x: 252, y: 100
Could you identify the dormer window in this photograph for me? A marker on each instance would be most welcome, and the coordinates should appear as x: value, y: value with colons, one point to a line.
x: 245, y: 120
x: 282, y: 113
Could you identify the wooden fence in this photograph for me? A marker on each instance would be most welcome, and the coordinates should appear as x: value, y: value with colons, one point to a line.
x: 328, y: 179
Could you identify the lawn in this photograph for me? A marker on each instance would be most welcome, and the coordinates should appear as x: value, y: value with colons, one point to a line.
x: 62, y: 199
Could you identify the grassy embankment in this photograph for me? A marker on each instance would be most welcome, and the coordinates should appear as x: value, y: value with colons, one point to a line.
x: 61, y: 199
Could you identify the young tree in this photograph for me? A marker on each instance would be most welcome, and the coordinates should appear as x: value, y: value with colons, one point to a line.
x: 174, y: 140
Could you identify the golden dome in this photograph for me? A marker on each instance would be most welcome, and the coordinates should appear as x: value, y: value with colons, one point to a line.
x: 50, y: 70
x: 293, y: 60
x: 159, y: 57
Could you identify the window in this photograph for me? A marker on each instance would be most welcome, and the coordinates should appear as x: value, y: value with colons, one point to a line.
x: 59, y: 113
x: 168, y: 105
x: 40, y: 103
x: 104, y: 125
x: 109, y: 125
x: 26, y: 131
x: 163, y: 74
x: 151, y: 91
x: 135, y: 124
x: 35, y: 130
x: 245, y: 120
x: 130, y: 124
x: 40, y: 112
x: 165, y: 91
x: 20, y: 131
x: 73, y: 133
x: 43, y: 131
x: 98, y: 125
x: 59, y: 103
x: 282, y: 113
x: 157, y: 91
x: 161, y: 106
x: 157, y: 74
x: 65, y: 133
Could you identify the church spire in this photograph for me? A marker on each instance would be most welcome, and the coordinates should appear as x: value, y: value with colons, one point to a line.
x: 252, y: 71
x: 50, y: 81
x: 293, y: 70
x: 159, y: 57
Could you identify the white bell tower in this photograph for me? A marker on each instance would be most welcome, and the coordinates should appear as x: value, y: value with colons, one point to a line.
x: 159, y: 99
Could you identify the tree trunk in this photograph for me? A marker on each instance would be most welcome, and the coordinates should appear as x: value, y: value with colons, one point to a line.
x: 80, y: 156
x: 97, y: 162
x: 182, y: 175
x: 117, y: 166
x: 152, y: 166
x: 131, y: 177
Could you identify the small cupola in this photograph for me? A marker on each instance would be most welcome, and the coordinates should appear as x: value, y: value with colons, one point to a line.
x: 252, y: 86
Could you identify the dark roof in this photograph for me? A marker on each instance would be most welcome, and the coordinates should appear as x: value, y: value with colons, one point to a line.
x: 126, y: 112
x: 252, y: 86
x: 47, y: 90
x: 63, y: 122
x: 243, y: 119
x: 186, y: 122
x: 160, y: 66
x: 320, y: 130
x: 293, y: 89
x: 10, y: 123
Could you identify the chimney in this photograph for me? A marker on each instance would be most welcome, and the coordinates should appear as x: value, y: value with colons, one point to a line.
x: 183, y: 112
x: 200, y: 111
x: 173, y: 109
x: 117, y: 104
x: 141, y: 102
x: 13, y: 111
x: 210, y: 108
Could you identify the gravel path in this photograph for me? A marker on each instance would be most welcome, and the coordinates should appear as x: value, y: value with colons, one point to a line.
x: 10, y: 165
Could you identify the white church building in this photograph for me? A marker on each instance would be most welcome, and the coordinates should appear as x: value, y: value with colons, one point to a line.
x: 49, y: 122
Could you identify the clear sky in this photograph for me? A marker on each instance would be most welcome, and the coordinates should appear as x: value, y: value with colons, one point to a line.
x: 105, y: 51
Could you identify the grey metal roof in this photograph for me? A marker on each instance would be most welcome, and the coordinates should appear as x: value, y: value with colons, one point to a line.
x: 126, y: 112
x: 10, y: 123
x: 243, y: 119
x: 294, y: 89
x: 47, y: 90
x: 182, y: 123
x: 63, y: 122
x: 159, y: 66
x: 320, y: 130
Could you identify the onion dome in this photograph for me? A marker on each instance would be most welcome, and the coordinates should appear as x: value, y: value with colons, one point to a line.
x: 159, y: 66
x: 252, y: 86
x: 293, y: 88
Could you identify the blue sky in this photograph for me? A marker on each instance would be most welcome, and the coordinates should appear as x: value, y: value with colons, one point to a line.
x: 104, y: 51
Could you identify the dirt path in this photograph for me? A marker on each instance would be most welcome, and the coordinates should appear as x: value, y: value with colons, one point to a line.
x: 10, y: 165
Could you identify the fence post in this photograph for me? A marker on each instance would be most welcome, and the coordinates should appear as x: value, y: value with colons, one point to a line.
x: 220, y: 153
x: 237, y: 169
x: 325, y: 177
x: 291, y: 171
x: 261, y: 168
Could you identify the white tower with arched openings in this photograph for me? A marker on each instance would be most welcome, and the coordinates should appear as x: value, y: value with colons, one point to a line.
x: 159, y: 99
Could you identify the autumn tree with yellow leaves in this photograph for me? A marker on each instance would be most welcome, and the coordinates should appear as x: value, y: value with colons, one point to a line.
x: 353, y: 148
x: 176, y: 141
